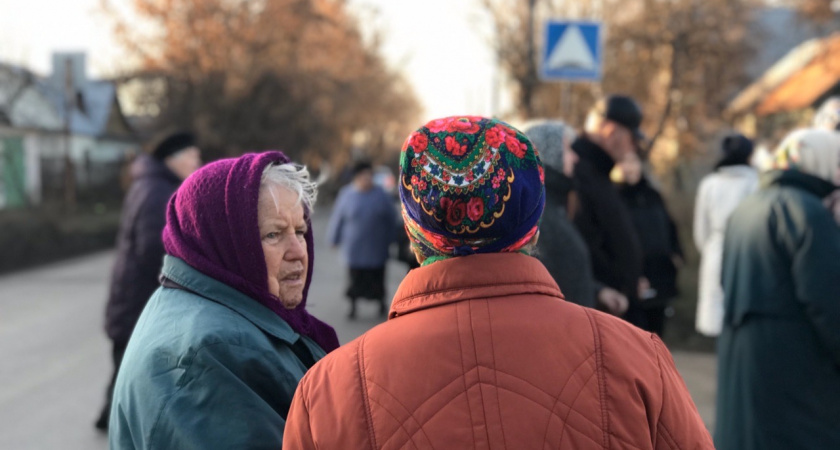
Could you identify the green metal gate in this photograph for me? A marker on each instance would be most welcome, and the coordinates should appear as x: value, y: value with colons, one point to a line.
x: 12, y: 173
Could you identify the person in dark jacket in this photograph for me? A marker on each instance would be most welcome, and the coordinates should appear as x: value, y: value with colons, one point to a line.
x: 156, y: 175
x: 611, y: 132
x: 219, y: 349
x: 560, y: 247
x: 779, y: 351
x: 660, y: 242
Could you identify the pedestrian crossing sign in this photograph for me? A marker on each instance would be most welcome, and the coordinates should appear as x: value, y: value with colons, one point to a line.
x: 572, y: 51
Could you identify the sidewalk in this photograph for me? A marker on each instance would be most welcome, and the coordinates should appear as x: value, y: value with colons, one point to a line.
x: 699, y: 370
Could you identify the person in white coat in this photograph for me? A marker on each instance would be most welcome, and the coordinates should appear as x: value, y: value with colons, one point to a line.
x: 718, y: 195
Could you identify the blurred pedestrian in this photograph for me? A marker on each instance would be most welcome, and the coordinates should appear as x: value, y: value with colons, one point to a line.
x: 828, y: 118
x: 718, y: 195
x: 611, y: 132
x: 561, y: 248
x: 480, y: 350
x: 779, y: 352
x: 364, y: 224
x: 171, y: 158
x: 660, y: 243
x: 219, y: 349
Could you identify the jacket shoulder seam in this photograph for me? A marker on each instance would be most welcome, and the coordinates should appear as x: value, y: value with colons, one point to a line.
x: 365, y: 397
x: 602, y: 383
x: 666, y: 434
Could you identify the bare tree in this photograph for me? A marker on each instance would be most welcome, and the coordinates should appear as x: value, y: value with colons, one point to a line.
x: 253, y: 74
x: 682, y: 59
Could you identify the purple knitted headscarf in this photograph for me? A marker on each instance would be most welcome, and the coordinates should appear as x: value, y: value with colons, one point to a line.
x: 211, y: 223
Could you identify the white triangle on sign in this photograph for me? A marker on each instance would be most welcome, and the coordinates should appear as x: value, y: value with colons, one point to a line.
x: 571, y: 52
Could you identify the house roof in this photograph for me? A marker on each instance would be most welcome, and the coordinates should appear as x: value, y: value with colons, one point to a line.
x: 780, y: 30
x: 795, y: 82
x: 91, y: 108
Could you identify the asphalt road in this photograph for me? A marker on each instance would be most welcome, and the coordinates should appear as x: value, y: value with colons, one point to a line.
x: 55, y: 356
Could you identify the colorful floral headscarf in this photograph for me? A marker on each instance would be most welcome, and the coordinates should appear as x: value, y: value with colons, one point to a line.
x: 470, y: 185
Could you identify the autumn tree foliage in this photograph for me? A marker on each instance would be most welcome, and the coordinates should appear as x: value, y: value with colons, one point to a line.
x: 819, y: 11
x: 682, y: 59
x: 296, y: 75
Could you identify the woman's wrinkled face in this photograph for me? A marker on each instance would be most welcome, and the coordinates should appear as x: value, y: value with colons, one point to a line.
x: 282, y: 230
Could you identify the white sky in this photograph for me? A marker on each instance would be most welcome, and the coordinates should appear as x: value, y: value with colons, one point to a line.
x: 441, y: 45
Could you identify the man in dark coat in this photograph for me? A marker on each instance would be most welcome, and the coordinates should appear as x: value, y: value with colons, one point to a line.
x: 560, y: 247
x: 779, y: 351
x: 156, y: 176
x: 611, y: 132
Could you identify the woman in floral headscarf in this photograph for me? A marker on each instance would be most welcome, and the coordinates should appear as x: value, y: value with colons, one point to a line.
x: 779, y: 352
x: 480, y: 350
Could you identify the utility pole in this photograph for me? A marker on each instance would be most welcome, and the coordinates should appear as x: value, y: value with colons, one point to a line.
x: 533, y: 79
x: 69, y: 167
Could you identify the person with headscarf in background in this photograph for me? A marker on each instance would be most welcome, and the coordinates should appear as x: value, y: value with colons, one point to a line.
x: 718, y: 195
x: 561, y: 248
x: 218, y: 351
x: 779, y: 352
x: 828, y: 118
x: 364, y: 224
x: 480, y: 350
x: 156, y: 174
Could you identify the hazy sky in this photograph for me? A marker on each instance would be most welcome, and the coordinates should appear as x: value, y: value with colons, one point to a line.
x: 441, y: 45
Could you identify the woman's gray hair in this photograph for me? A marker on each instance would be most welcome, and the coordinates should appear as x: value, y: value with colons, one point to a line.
x: 293, y: 177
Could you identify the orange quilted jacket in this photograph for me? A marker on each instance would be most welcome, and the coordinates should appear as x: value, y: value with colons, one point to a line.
x: 483, y: 352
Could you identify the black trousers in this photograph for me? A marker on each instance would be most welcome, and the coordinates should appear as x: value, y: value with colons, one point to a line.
x: 367, y: 283
x: 650, y: 319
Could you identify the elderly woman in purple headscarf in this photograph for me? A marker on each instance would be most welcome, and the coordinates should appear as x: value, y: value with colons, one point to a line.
x: 218, y: 351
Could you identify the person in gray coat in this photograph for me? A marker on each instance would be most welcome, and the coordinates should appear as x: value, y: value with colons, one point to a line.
x: 364, y: 223
x: 561, y: 248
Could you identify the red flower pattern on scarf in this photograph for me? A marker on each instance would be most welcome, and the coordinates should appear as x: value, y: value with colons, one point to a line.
x: 475, y: 209
x: 516, y: 147
x: 452, y: 146
x: 456, y: 212
x: 436, y: 126
x: 494, y: 137
x: 418, y: 142
x: 462, y: 125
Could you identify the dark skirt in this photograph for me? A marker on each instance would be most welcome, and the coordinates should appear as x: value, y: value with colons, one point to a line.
x: 367, y: 283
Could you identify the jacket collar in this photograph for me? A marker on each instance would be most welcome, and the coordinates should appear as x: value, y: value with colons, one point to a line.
x: 594, y: 154
x: 470, y: 277
x: 794, y: 178
x: 184, y: 275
